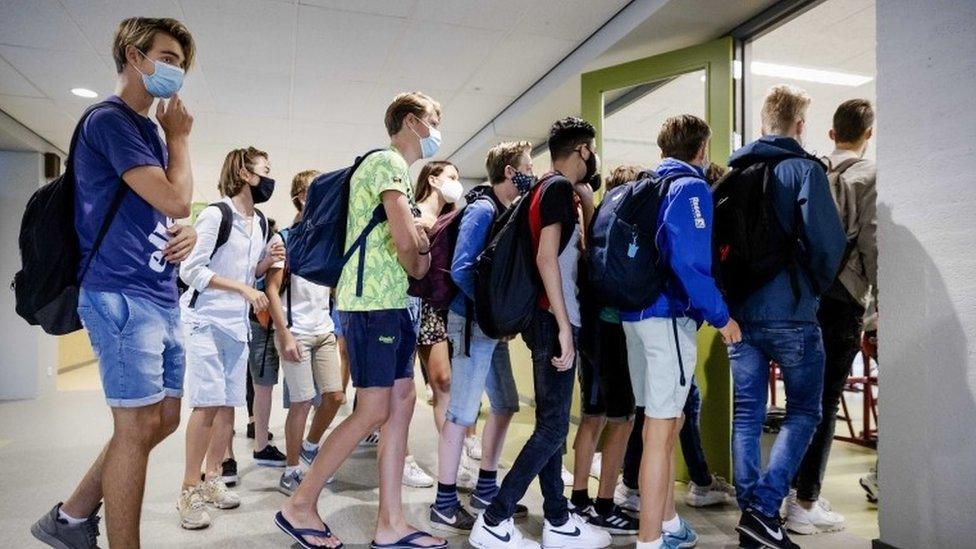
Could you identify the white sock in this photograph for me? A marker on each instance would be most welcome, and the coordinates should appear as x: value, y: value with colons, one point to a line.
x: 72, y: 521
x: 289, y: 469
x: 671, y: 526
x: 656, y: 544
x: 308, y: 446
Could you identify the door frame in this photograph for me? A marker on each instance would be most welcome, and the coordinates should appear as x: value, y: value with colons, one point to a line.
x: 715, y: 58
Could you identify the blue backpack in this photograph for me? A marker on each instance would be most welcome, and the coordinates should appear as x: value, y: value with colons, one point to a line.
x: 625, y: 266
x: 317, y: 249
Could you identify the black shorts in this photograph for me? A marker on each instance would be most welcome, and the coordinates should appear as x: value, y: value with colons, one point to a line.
x: 604, y: 375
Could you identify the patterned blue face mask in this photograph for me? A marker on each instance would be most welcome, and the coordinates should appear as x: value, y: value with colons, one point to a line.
x: 523, y: 182
x: 165, y: 80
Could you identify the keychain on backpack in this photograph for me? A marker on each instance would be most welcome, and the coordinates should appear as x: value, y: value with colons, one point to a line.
x: 632, y: 249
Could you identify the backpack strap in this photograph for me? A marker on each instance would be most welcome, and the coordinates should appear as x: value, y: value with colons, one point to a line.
x: 263, y: 221
x: 379, y: 216
x: 223, y: 235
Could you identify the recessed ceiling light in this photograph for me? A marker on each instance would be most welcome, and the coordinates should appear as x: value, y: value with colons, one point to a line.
x: 84, y: 92
x: 808, y: 74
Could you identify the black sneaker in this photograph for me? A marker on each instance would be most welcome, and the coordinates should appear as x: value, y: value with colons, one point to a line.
x: 616, y: 522
x: 745, y: 542
x: 250, y: 432
x: 270, y: 457
x: 457, y: 520
x: 229, y: 472
x: 585, y: 512
x: 479, y: 505
x: 767, y: 531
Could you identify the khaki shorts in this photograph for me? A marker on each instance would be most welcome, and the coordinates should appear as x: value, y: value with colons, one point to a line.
x: 318, y: 370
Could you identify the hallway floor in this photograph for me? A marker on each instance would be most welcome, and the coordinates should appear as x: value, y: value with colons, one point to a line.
x: 46, y: 445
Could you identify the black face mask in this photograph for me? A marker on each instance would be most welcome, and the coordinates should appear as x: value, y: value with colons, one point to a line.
x: 596, y: 182
x: 263, y: 190
x: 592, y: 170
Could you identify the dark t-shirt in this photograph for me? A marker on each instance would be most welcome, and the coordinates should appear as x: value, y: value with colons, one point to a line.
x: 558, y: 205
x: 130, y: 258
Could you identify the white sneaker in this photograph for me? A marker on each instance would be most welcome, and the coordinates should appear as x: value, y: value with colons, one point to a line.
x: 596, y: 464
x: 503, y: 536
x: 817, y: 520
x: 575, y: 534
x: 472, y: 447
x: 192, y: 509
x: 567, y: 477
x: 215, y: 492
x: 719, y: 491
x: 414, y: 476
x: 627, y: 499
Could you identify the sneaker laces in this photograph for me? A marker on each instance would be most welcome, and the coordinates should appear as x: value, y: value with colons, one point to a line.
x: 91, y: 529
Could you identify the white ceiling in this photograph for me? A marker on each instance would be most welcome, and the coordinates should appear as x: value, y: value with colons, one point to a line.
x: 308, y: 81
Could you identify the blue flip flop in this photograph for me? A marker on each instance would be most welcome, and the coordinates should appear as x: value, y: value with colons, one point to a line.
x: 408, y: 542
x: 298, y: 534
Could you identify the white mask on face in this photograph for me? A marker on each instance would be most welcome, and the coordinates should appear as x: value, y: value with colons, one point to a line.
x: 451, y: 190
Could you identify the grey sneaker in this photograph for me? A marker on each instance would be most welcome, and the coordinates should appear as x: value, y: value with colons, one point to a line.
x: 215, y: 492
x: 56, y: 532
x: 289, y: 483
x: 192, y: 509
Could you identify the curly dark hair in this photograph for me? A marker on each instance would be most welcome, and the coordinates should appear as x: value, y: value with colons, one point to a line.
x: 567, y: 134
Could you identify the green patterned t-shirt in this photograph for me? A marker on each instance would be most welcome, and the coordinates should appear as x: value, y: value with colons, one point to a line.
x: 384, y: 279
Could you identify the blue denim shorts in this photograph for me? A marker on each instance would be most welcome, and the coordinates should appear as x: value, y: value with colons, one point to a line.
x: 381, y: 346
x: 485, y: 370
x: 139, y: 346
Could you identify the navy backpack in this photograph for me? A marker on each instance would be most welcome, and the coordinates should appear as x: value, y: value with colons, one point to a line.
x: 625, y: 267
x: 317, y: 249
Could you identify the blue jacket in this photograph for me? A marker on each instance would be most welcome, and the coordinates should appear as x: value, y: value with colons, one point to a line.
x: 803, y: 201
x: 476, y: 221
x: 684, y: 239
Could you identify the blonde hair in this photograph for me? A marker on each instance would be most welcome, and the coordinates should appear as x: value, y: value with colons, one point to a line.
x: 230, y: 182
x: 416, y: 103
x: 140, y: 33
x: 300, y: 184
x: 504, y: 154
x: 784, y: 105
x: 621, y: 175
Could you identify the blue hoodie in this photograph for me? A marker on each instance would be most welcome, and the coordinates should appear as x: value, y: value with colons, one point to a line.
x: 476, y: 222
x: 684, y: 239
x: 802, y: 198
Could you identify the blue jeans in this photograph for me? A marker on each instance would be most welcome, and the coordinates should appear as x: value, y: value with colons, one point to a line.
x: 542, y: 454
x: 139, y: 346
x: 798, y: 349
x: 472, y: 376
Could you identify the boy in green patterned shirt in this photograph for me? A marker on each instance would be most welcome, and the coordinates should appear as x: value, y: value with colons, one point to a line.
x: 378, y: 328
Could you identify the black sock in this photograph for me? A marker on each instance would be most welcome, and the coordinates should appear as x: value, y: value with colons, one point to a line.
x: 490, y: 521
x: 603, y: 505
x: 631, y: 485
x: 581, y: 498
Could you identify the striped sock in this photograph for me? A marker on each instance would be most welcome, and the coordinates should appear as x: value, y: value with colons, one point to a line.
x: 447, y: 497
x: 487, y: 487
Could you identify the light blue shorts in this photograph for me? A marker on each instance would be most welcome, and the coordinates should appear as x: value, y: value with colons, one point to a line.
x: 139, y: 346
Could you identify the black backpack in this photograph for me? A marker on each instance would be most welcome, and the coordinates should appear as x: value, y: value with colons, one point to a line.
x: 46, y: 288
x: 506, y: 278
x: 750, y: 244
x: 223, y: 234
x: 625, y: 267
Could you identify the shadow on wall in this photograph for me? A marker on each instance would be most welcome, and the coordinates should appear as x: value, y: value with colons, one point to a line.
x: 927, y: 393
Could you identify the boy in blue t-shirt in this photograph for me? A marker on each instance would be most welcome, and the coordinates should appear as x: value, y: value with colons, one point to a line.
x: 128, y: 298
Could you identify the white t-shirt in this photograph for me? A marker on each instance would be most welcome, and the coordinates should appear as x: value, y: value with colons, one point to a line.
x: 309, y: 304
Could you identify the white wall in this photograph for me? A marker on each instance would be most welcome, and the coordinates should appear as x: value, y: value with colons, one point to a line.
x: 27, y: 355
x: 927, y: 215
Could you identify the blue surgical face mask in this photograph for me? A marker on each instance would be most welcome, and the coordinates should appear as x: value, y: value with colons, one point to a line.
x: 165, y: 80
x: 432, y: 143
x: 523, y: 182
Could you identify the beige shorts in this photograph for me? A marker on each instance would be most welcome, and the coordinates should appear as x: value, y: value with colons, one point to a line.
x: 318, y: 369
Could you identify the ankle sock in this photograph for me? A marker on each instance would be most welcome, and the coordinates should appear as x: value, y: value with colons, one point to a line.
x: 447, y: 497
x: 487, y: 486
x: 309, y: 447
x: 581, y: 498
x: 671, y: 526
x: 656, y: 544
x: 603, y: 505
x: 72, y: 521
x: 289, y: 469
